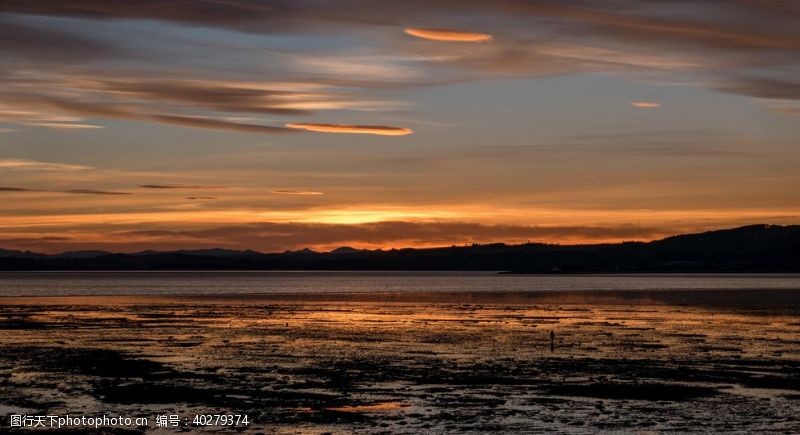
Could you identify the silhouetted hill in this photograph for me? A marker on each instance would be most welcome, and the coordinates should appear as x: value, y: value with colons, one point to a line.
x: 213, y: 252
x: 347, y: 250
x: 9, y: 253
x: 81, y: 254
x: 754, y: 248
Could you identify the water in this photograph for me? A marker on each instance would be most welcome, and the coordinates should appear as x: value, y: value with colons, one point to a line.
x: 183, y: 283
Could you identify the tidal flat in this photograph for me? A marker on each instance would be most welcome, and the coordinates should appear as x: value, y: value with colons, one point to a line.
x: 412, y: 362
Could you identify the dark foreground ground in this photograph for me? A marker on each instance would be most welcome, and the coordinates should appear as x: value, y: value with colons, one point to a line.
x: 411, y: 362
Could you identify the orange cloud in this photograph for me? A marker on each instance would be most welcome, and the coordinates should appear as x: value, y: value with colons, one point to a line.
x: 77, y: 191
x: 94, y: 192
x: 645, y: 104
x: 380, y: 130
x: 448, y: 35
x: 296, y: 192
x: 34, y: 165
x: 278, y: 236
x: 177, y: 186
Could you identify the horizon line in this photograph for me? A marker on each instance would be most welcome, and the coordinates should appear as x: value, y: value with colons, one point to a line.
x: 310, y: 251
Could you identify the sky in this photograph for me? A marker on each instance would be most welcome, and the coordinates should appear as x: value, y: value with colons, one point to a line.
x: 278, y: 125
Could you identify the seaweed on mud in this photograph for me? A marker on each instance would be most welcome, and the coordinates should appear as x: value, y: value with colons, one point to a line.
x: 781, y: 375
x: 89, y: 362
x: 21, y: 323
x: 770, y: 381
x: 468, y: 400
x: 632, y: 391
x: 331, y: 416
x: 155, y: 392
x: 468, y: 378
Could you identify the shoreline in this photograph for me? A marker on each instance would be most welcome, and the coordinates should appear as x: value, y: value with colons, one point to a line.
x: 754, y: 301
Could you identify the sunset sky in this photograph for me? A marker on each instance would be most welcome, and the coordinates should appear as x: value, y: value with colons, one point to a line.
x: 274, y: 125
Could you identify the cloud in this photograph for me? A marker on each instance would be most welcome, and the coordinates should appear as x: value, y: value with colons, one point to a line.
x: 33, y: 165
x: 770, y: 88
x: 230, y: 14
x: 785, y: 107
x: 93, y: 192
x: 708, y: 23
x: 380, y: 130
x: 58, y: 100
x: 645, y: 104
x: 448, y: 35
x: 763, y: 24
x: 296, y: 192
x: 63, y: 125
x: 200, y: 197
x: 216, y: 95
x: 26, y: 41
x: 77, y: 63
x: 176, y: 186
x: 15, y: 189
x: 277, y: 237
x: 214, y: 124
x: 269, y: 236
x: 62, y: 108
x: 26, y: 241
x: 71, y: 191
x: 37, y: 118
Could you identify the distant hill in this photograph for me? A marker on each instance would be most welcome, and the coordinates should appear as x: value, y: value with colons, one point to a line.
x: 214, y: 252
x: 8, y: 253
x: 81, y: 254
x: 753, y: 248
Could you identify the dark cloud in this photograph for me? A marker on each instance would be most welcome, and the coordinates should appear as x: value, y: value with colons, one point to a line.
x: 728, y: 25
x: 94, y: 192
x: 15, y: 189
x: 762, y: 24
x: 36, y: 240
x: 197, y: 198
x: 27, y: 41
x: 216, y: 96
x: 235, y: 13
x: 719, y: 42
x: 764, y: 88
x: 134, y: 112
x: 74, y: 191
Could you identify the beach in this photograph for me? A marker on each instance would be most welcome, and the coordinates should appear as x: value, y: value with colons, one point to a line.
x: 411, y: 362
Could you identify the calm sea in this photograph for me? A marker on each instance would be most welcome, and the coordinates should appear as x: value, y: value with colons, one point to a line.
x: 180, y: 283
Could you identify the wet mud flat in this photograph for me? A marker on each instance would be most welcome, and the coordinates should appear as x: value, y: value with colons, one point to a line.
x: 412, y: 362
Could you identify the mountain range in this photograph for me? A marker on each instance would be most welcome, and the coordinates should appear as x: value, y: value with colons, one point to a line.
x: 752, y: 248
